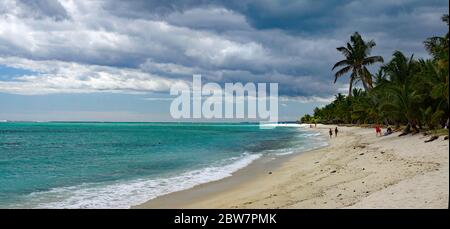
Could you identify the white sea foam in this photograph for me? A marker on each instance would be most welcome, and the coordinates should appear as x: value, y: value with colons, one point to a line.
x: 134, y: 192
x: 308, y: 140
x: 298, y: 149
x: 311, y: 134
x: 284, y: 153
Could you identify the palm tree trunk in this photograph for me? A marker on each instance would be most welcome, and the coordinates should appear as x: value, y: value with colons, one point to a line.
x: 407, y: 130
x: 368, y: 78
x: 366, y: 88
x: 414, y: 126
x: 350, y: 87
x: 362, y: 77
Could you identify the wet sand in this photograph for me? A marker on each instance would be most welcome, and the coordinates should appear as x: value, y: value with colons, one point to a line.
x: 357, y: 170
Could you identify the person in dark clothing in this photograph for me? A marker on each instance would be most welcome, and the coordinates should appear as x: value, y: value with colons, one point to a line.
x: 388, y: 131
x: 331, y: 133
x: 335, y: 131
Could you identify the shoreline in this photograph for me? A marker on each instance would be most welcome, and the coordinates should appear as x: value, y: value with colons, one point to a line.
x: 356, y: 170
x: 260, y: 166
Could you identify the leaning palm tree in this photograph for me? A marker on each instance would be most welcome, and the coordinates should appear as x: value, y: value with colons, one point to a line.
x: 356, y: 61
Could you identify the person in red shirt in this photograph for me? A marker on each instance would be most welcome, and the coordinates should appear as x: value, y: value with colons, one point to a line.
x: 378, y: 130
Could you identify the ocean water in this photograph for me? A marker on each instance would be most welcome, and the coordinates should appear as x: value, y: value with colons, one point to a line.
x: 118, y: 165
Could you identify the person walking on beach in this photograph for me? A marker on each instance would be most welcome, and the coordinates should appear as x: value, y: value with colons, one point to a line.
x: 335, y: 132
x: 331, y: 133
x: 378, y: 130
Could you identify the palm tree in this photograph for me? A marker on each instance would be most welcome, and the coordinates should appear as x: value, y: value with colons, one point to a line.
x: 356, y: 61
x: 432, y: 84
x: 342, y: 110
x: 404, y: 91
x: 401, y: 99
x: 438, y: 46
x: 433, y: 80
x: 380, y: 77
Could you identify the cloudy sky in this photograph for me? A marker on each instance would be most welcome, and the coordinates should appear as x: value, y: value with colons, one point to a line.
x: 116, y: 60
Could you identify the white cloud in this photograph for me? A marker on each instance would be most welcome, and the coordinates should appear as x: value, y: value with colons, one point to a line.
x: 92, y: 37
x: 84, y: 46
x: 65, y: 77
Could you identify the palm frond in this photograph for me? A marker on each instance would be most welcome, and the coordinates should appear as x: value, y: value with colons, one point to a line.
x: 341, y: 63
x: 341, y: 72
x: 344, y: 51
x: 373, y: 59
x: 371, y: 44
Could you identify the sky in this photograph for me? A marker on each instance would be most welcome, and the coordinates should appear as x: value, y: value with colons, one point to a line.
x: 80, y: 60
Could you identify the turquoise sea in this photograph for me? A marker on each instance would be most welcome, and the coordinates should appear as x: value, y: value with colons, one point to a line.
x: 117, y: 165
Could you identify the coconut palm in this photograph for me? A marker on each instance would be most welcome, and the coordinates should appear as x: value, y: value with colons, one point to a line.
x: 433, y: 80
x: 356, y: 61
x: 438, y: 46
x: 402, y: 99
x: 432, y: 84
x: 405, y: 91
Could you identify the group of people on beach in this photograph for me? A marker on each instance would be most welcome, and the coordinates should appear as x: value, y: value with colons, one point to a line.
x: 377, y: 131
x: 335, y: 132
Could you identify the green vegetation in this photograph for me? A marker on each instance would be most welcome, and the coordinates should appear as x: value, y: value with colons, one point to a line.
x: 405, y: 91
x: 356, y: 60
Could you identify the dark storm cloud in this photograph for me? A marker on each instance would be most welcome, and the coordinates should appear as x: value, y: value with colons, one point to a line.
x: 302, y: 16
x: 44, y: 8
x: 289, y: 42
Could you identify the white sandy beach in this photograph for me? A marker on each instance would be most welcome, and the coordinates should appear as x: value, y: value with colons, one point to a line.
x: 357, y: 170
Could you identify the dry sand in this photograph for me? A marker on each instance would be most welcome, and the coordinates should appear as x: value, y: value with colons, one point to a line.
x: 357, y: 170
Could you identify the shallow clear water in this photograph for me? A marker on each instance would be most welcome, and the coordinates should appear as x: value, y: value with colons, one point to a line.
x: 117, y: 165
